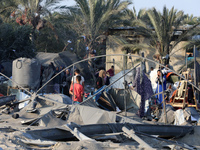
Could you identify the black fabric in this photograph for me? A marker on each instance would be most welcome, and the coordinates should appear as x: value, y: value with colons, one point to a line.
x: 99, y: 83
x: 57, y: 79
x: 66, y: 82
x: 107, y: 81
x: 143, y: 87
x: 190, y: 95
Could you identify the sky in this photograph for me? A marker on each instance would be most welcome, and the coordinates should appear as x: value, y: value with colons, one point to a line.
x: 188, y: 6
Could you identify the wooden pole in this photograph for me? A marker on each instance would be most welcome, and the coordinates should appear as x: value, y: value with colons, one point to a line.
x: 196, y: 92
x: 124, y: 87
x: 65, y: 47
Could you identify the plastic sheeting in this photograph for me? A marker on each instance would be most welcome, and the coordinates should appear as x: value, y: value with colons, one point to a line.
x: 133, y: 99
x: 170, y: 115
x: 153, y: 76
x: 119, y: 84
x: 59, y: 98
x: 50, y: 120
x: 191, y: 114
x: 83, y: 115
x: 179, y: 117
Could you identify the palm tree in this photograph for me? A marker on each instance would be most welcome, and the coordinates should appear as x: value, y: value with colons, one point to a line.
x: 31, y: 12
x: 134, y: 15
x: 93, y: 20
x: 96, y: 16
x: 162, y: 30
x: 6, y: 8
x: 190, y: 19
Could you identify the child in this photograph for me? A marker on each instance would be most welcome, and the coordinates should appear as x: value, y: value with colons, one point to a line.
x: 78, y: 90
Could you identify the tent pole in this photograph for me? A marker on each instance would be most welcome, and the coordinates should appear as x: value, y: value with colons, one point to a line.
x: 164, y: 100
x: 186, y: 57
x: 73, y: 86
x: 124, y: 87
x: 114, y: 65
x: 195, y: 73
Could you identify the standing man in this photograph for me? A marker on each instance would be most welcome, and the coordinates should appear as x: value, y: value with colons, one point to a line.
x: 77, y: 73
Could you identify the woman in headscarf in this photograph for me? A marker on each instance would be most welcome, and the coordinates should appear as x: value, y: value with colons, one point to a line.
x: 100, y: 80
x: 161, y: 84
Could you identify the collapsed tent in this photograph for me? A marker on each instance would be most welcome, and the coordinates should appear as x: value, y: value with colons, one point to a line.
x: 80, y: 115
x: 120, y: 83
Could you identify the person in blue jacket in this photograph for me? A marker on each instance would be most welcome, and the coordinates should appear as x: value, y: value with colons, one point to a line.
x: 161, y: 78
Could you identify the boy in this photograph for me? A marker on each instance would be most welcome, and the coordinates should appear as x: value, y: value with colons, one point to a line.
x: 77, y: 73
x: 78, y: 90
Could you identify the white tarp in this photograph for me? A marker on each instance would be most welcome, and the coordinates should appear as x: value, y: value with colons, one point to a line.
x: 20, y: 96
x: 179, y: 117
x: 153, y: 76
x: 119, y: 84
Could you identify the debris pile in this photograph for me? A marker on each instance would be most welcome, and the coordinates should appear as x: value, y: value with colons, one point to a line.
x: 123, y: 115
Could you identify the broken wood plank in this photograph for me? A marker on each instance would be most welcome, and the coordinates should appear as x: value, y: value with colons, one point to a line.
x: 131, y: 133
x: 80, y: 136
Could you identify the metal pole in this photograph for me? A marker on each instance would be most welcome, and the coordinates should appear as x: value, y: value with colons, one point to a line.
x: 143, y: 63
x: 186, y: 57
x: 114, y: 65
x: 73, y: 85
x: 130, y: 57
x: 195, y: 76
x: 196, y: 93
x: 164, y: 100
x: 124, y: 87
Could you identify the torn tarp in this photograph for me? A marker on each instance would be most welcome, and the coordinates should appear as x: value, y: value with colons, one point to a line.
x: 88, y: 115
x: 50, y: 120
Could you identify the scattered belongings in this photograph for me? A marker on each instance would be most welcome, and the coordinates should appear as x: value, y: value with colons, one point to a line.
x: 184, y: 96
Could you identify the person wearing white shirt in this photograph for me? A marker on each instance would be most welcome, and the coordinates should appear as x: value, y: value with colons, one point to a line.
x: 77, y: 73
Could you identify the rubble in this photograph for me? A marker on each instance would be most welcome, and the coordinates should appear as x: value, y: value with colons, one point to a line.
x: 107, y: 119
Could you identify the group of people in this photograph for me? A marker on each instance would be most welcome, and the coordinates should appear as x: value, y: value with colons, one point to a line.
x: 62, y: 81
x: 102, y: 77
x: 65, y: 83
x: 71, y: 84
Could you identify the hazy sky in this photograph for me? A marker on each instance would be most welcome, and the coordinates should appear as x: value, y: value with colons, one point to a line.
x: 188, y: 6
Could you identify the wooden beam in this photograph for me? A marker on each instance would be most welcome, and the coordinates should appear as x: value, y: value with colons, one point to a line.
x: 131, y: 133
x: 80, y: 136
